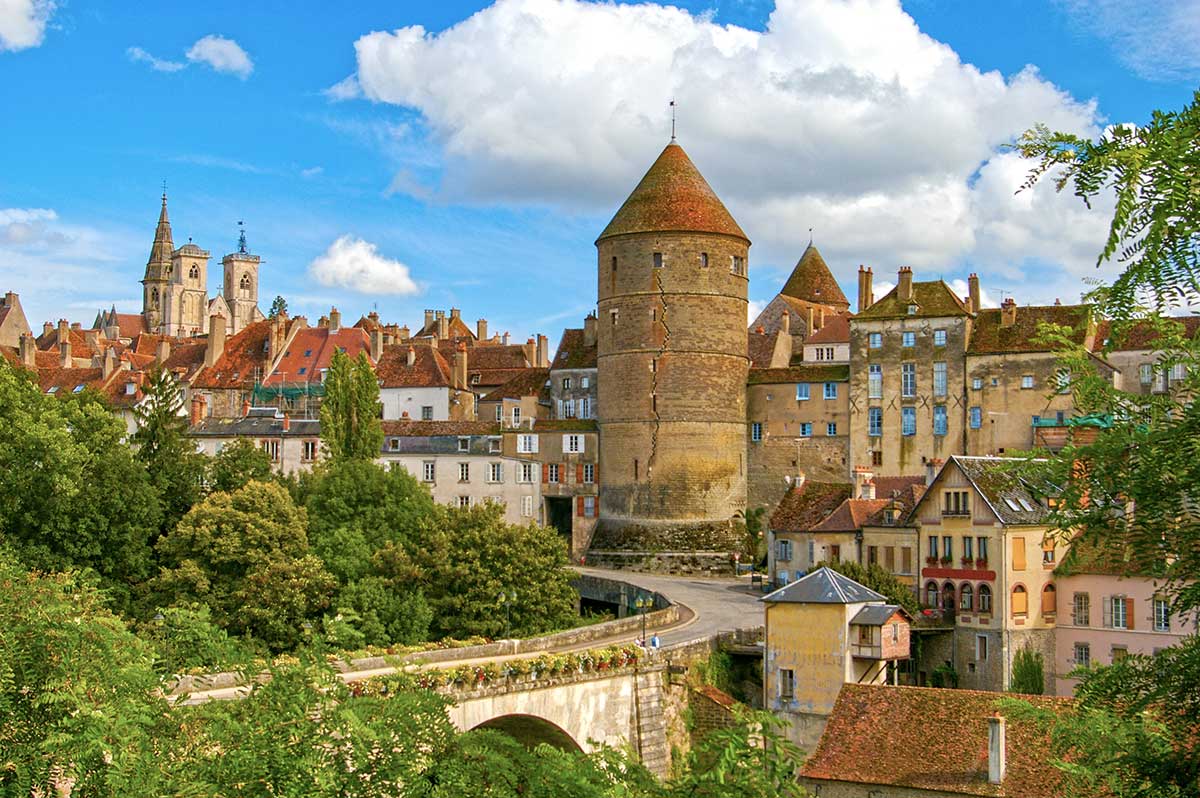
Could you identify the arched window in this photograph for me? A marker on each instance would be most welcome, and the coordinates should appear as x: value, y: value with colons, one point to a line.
x: 194, y: 272
x: 931, y: 594
x: 966, y: 597
x: 154, y: 297
x: 244, y: 287
x: 1020, y: 601
x: 1049, y: 600
x: 948, y: 596
x: 985, y: 598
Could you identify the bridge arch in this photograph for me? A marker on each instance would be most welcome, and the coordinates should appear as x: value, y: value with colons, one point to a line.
x: 532, y: 731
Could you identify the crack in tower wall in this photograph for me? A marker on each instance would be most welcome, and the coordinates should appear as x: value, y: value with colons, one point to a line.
x: 662, y: 350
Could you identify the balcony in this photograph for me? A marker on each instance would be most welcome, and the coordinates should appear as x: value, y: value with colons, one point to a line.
x: 866, y: 650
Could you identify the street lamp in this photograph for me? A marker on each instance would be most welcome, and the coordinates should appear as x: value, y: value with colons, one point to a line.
x: 506, y: 600
x: 643, y: 603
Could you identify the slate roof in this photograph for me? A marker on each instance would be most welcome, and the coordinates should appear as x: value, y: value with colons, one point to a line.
x: 835, y: 331
x: 572, y: 353
x: 812, y: 281
x: 931, y: 739
x: 802, y: 508
x: 876, y: 614
x: 823, y: 586
x: 799, y: 374
x: 430, y: 369
x: 760, y: 346
x: 1009, y: 497
x: 673, y: 197
x: 256, y: 426
x: 564, y: 425
x: 934, y: 300
x: 424, y: 429
x: 989, y: 336
x: 531, y: 382
x: 1143, y: 336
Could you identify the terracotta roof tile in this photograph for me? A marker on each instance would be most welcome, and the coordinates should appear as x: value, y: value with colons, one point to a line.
x: 531, y: 382
x: 934, y: 300
x: 186, y: 359
x: 1142, y: 336
x: 812, y: 281
x: 130, y: 324
x: 457, y: 328
x: 429, y: 369
x: 835, y: 331
x: 803, y: 508
x: 311, y: 350
x: 989, y: 336
x: 243, y: 360
x: 874, y: 731
x: 673, y: 197
x: 799, y: 374
x: 851, y: 514
x: 572, y: 353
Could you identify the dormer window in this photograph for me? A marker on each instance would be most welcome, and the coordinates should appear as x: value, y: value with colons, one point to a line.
x: 78, y: 389
x: 912, y: 310
x: 464, y: 444
x: 52, y: 389
x: 130, y: 388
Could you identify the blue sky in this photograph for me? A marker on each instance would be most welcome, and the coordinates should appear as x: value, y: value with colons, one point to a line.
x: 473, y: 162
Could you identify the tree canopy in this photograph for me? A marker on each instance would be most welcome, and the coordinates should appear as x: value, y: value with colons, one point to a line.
x: 350, y: 425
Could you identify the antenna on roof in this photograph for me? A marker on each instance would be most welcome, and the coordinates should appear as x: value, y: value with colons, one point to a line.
x: 810, y: 236
x: 164, y: 196
x: 241, y: 237
x: 672, y: 119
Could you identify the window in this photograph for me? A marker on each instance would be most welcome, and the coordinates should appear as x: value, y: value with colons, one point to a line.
x: 308, y: 451
x: 464, y: 444
x: 931, y: 594
x: 1027, y: 381
x: 908, y: 421
x: 272, y: 450
x: 802, y: 392
x: 835, y: 553
x: 1049, y: 600
x: 977, y: 384
x: 1162, y: 615
x: 244, y: 287
x: 874, y: 381
x: 981, y: 648
x: 939, y: 337
x: 1116, y: 612
x: 394, y: 444
x: 573, y: 444
x: 658, y: 260
x: 516, y: 420
x: 566, y: 408
x: 1146, y: 373
x: 981, y: 549
x: 527, y: 506
x: 1018, y: 554
x: 783, y: 550
x: 933, y: 549
x: 976, y: 417
x: 527, y: 444
x: 495, y: 472
x: 499, y: 412
x: 812, y: 554
x: 956, y: 502
x: 1020, y: 602
x: 831, y: 428
x: 872, y: 555
x: 589, y: 506
x: 703, y: 260
x: 1062, y: 381
x: 908, y: 380
x: 939, y: 419
x: 939, y: 378
x: 428, y: 471
x: 787, y: 683
x: 527, y: 472
x: 566, y: 383
x: 1081, y: 609
x: 876, y: 457
x: 908, y: 339
x: 967, y: 554
x: 906, y: 560
x: 1119, y: 653
x: 756, y: 431
x: 464, y: 501
x: 831, y: 390
x: 1083, y: 655
x: 1047, y: 547
x: 585, y: 407
x: 985, y: 599
x: 589, y: 473
x: 552, y: 472
x: 805, y: 429
x: 947, y: 547
x: 782, y: 578
x: 875, y: 340
x: 464, y: 472
x: 738, y: 265
x: 875, y: 422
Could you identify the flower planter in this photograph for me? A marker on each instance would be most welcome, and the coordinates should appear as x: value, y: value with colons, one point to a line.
x: 981, y: 563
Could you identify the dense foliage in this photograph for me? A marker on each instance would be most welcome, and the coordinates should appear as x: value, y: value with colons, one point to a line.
x: 1028, y: 672
x: 350, y: 425
x: 162, y: 445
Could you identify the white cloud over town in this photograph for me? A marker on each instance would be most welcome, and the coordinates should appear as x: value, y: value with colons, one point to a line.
x: 23, y: 23
x: 1158, y: 39
x: 137, y: 54
x: 223, y: 55
x: 841, y: 116
x: 355, y: 264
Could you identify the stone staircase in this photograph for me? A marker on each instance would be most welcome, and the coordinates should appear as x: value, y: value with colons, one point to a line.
x: 651, y: 723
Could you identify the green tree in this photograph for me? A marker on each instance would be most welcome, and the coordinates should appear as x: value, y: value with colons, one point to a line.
x: 350, y: 425
x: 468, y: 556
x: 71, y: 493
x: 751, y: 759
x: 279, y: 307
x: 236, y: 464
x: 162, y: 445
x: 245, y: 555
x: 880, y: 580
x: 185, y: 637
x: 1028, y: 672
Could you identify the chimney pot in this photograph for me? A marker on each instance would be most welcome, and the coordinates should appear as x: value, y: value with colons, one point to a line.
x: 47, y: 328
x: 412, y: 356
x: 64, y: 353
x: 973, y: 293
x: 904, y: 289
x: 481, y: 330
x: 1008, y: 312
x: 245, y: 407
x: 287, y: 422
x: 28, y: 350
x: 335, y: 319
x: 997, y: 750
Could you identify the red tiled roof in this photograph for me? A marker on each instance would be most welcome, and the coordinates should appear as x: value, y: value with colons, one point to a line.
x: 1143, y: 336
x: 573, y: 353
x: 429, y: 369
x: 79, y: 344
x: 186, y: 359
x: 875, y: 730
x: 312, y: 349
x: 67, y: 380
x: 812, y: 281
x: 803, y: 508
x: 494, y: 356
x: 457, y: 328
x: 402, y: 429
x: 243, y: 360
x: 851, y: 514
x: 835, y: 331
x: 530, y: 382
x: 491, y: 378
x: 673, y: 197
x: 130, y: 324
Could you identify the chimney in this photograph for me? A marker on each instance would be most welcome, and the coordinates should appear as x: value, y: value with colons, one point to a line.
x: 412, y: 356
x: 862, y: 476
x: 47, y: 328
x: 64, y: 330
x: 504, y: 339
x: 77, y: 326
x: 28, y: 347
x: 377, y: 344
x: 276, y: 335
x: 404, y: 333
x: 443, y: 325
x: 932, y: 467
x: 543, y: 352
x: 997, y: 750
x: 335, y: 319
x: 973, y: 293
x: 164, y: 350
x: 373, y: 316
x: 1008, y: 312
x: 798, y: 483
x: 460, y: 367
x: 811, y: 321
x: 64, y: 353
x: 904, y: 284
x: 196, y: 415
x: 92, y: 337
x: 216, y: 339
x: 287, y: 421
x: 455, y: 313
x: 10, y: 299
x: 323, y: 323
x: 868, y: 489
x: 428, y: 320
x: 245, y: 407
x: 481, y: 330
x: 589, y: 330
x: 785, y: 323
x: 109, y: 364
x: 531, y: 352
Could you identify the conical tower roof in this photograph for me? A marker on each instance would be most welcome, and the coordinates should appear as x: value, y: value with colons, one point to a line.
x: 673, y: 197
x: 160, y: 252
x: 812, y: 281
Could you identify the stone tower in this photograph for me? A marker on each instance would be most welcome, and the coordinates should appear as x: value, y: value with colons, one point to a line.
x: 671, y: 337
x: 158, y: 271
x: 187, y: 298
x: 241, y: 285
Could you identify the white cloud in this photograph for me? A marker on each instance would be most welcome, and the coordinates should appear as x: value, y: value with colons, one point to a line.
x: 1157, y: 39
x: 223, y: 55
x: 311, y: 172
x: 842, y: 116
x: 356, y: 264
x: 23, y: 23
x: 345, y: 89
x: 137, y: 54
x: 753, y: 308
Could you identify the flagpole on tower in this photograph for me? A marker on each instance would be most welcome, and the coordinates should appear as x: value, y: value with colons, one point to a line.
x: 672, y: 120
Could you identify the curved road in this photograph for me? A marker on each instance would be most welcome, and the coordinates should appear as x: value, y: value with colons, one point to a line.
x: 716, y: 605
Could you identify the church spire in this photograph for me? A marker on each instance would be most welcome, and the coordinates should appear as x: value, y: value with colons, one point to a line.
x: 160, y: 252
